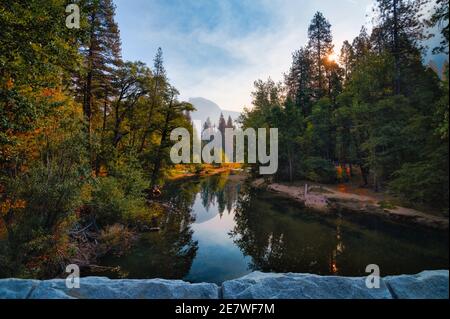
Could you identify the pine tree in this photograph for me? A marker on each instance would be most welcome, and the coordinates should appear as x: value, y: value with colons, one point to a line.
x: 400, y: 27
x: 160, y: 85
x: 207, y: 130
x: 346, y: 59
x: 230, y: 122
x: 440, y: 19
x: 361, y: 45
x: 298, y: 81
x: 101, y: 54
x: 221, y: 127
x: 320, y: 46
x: 334, y: 76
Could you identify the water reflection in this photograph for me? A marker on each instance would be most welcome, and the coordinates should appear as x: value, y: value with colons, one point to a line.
x: 222, y: 230
x: 168, y: 253
x: 282, y: 238
x: 218, y: 258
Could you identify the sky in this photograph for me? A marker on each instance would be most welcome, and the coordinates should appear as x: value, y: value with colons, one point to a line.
x: 216, y: 49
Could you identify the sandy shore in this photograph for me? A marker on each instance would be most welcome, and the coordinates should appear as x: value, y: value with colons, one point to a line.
x: 331, y: 199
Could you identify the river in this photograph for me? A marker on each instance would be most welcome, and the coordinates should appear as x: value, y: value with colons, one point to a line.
x: 224, y: 230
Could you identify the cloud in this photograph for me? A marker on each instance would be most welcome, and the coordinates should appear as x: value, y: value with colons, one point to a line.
x: 217, y: 49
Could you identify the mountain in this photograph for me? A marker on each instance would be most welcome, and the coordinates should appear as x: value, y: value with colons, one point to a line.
x: 206, y: 108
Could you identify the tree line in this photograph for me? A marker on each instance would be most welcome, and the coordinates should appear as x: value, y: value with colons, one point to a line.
x: 378, y: 111
x: 83, y: 134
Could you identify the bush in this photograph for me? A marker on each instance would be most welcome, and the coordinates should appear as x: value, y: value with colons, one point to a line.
x: 318, y: 170
x: 115, y: 239
x: 422, y: 182
x: 39, y: 201
x: 120, y: 197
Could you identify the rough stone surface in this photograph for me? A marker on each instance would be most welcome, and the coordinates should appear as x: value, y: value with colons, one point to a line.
x: 12, y: 288
x: 104, y: 288
x: 257, y: 285
x: 426, y: 285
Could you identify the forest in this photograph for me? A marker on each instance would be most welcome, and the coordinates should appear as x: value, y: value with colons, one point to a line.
x: 377, y: 111
x: 85, y: 135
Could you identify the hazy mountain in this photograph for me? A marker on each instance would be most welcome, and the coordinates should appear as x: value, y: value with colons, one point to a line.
x: 206, y: 108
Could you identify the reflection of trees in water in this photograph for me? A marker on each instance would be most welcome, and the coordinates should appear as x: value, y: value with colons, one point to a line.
x: 181, y: 195
x: 266, y: 231
x: 221, y: 191
x: 173, y: 248
x: 175, y: 245
x: 168, y: 253
x: 282, y: 238
x: 214, y: 190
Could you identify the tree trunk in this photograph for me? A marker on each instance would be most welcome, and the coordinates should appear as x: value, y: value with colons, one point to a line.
x: 148, y: 130
x: 364, y: 174
x: 164, y: 135
x: 290, y: 169
x: 396, y: 48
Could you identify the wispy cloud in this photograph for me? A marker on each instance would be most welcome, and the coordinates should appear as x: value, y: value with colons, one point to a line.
x: 217, y: 49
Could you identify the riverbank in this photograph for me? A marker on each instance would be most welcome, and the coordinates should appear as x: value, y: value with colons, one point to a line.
x: 256, y: 285
x: 339, y: 199
x: 181, y: 172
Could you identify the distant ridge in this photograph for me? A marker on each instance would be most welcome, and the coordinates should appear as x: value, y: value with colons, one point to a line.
x: 206, y: 108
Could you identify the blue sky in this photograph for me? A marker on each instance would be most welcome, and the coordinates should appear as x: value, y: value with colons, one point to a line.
x: 216, y: 49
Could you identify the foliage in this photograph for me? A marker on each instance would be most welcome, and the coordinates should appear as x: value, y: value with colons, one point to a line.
x: 381, y: 109
x: 83, y: 134
x: 115, y: 200
x: 319, y: 170
x: 115, y: 239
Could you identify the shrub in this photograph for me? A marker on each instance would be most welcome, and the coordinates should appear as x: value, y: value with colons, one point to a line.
x: 319, y: 170
x: 120, y: 197
x: 115, y: 239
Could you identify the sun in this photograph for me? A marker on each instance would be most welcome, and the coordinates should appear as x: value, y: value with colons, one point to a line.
x: 332, y: 57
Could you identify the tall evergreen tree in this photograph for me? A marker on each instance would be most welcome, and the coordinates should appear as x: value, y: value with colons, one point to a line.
x: 221, y: 127
x: 440, y: 19
x: 299, y: 82
x: 400, y: 26
x: 102, y: 54
x: 346, y: 59
x: 334, y: 77
x: 320, y: 46
x: 173, y: 116
x: 159, y: 86
x: 230, y: 122
x: 361, y: 45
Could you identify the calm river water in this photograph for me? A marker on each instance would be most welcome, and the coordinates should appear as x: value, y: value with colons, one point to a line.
x: 222, y: 231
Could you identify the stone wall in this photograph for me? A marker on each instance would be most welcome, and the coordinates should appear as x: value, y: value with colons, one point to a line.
x: 428, y: 284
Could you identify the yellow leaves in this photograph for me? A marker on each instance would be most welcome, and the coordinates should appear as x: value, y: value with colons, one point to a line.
x: 8, y: 204
x: 86, y: 193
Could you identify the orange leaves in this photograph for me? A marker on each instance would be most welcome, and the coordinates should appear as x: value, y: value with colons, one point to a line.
x: 103, y: 172
x: 8, y: 204
x: 47, y: 92
x: 9, y: 83
x: 339, y: 171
